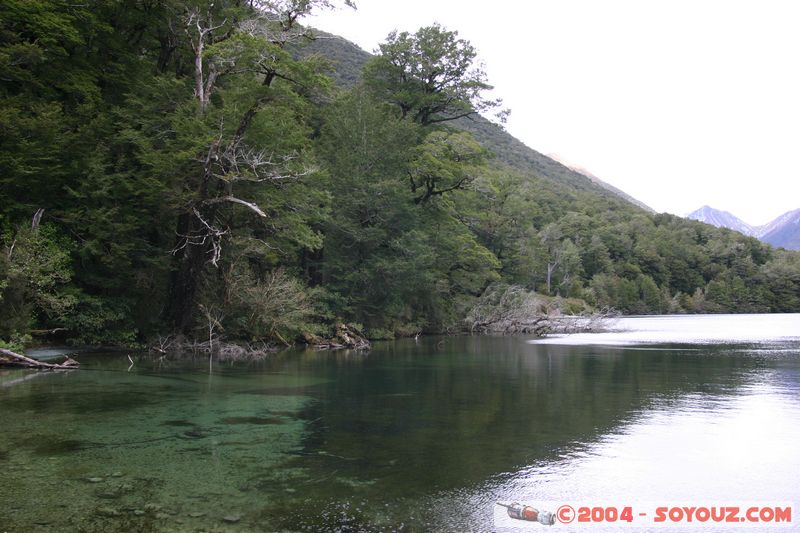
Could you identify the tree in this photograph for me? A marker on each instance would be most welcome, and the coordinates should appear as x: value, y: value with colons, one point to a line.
x: 66, y: 70
x: 446, y: 161
x: 34, y: 276
x: 550, y: 237
x: 430, y: 76
x: 398, y: 261
x: 236, y: 165
x: 367, y: 150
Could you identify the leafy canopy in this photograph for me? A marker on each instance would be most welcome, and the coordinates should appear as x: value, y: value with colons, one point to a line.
x: 430, y: 76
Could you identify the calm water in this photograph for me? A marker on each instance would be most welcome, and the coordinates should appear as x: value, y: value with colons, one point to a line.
x: 412, y: 436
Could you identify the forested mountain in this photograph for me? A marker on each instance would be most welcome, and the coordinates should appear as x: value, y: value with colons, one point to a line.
x: 347, y: 60
x: 178, y: 166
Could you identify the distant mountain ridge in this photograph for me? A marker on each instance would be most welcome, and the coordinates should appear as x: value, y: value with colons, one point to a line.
x: 595, y: 179
x: 348, y: 60
x: 722, y: 219
x: 783, y: 232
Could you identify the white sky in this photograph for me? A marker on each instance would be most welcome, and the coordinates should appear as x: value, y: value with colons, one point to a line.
x: 679, y: 103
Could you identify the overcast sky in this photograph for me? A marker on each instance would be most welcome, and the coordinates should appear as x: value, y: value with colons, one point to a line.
x: 678, y: 103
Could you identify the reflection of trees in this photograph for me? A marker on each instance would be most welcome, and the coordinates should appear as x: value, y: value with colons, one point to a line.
x: 415, y: 420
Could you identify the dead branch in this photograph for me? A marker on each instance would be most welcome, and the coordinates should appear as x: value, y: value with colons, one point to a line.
x: 164, y: 344
x: 512, y: 309
x: 250, y: 205
x: 48, y: 331
x: 9, y: 358
x: 346, y: 337
x: 37, y: 218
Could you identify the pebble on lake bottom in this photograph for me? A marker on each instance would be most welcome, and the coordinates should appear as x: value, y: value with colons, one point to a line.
x: 108, y: 512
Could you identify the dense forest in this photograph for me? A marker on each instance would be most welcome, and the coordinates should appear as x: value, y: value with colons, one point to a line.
x: 176, y: 166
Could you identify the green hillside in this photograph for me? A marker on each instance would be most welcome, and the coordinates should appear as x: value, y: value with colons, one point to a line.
x: 570, y: 196
x: 347, y: 60
x: 181, y: 168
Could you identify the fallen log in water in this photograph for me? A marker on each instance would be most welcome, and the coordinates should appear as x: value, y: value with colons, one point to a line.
x: 9, y: 358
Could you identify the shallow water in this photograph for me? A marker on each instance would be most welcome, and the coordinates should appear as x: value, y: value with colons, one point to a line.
x: 423, y: 436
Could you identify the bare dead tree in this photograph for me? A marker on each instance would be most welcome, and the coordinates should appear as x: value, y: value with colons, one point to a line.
x: 552, y: 265
x: 162, y: 344
x: 200, y: 30
x: 37, y: 218
x: 214, y: 317
x: 227, y: 161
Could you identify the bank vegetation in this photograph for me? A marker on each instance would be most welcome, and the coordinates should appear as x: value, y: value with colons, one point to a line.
x: 188, y: 169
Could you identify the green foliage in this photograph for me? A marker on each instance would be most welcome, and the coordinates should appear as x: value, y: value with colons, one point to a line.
x: 443, y: 162
x: 191, y: 159
x: 429, y: 76
x: 99, y: 321
x: 402, y: 259
x: 35, y: 273
x: 275, y: 306
x: 16, y: 343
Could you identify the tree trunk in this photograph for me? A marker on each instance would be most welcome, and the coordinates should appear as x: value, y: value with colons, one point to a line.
x: 189, y: 263
x: 9, y: 358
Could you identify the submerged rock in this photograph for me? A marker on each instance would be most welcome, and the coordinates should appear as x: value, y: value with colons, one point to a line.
x: 231, y: 519
x: 194, y: 434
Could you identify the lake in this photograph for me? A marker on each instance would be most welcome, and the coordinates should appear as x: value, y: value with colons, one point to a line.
x: 412, y: 436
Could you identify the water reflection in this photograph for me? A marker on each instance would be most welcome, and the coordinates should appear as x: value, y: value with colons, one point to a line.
x: 484, y: 407
x: 416, y: 436
x: 703, y: 449
x: 690, y: 329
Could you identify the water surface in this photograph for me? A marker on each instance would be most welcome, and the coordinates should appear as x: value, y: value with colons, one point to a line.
x: 413, y: 436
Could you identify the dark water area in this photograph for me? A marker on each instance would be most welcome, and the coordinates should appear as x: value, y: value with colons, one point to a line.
x: 412, y: 436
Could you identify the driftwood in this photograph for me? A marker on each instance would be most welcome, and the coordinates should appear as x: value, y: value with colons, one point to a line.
x: 539, y: 326
x: 9, y: 358
x: 510, y: 309
x: 48, y: 331
x: 547, y: 324
x: 346, y: 337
